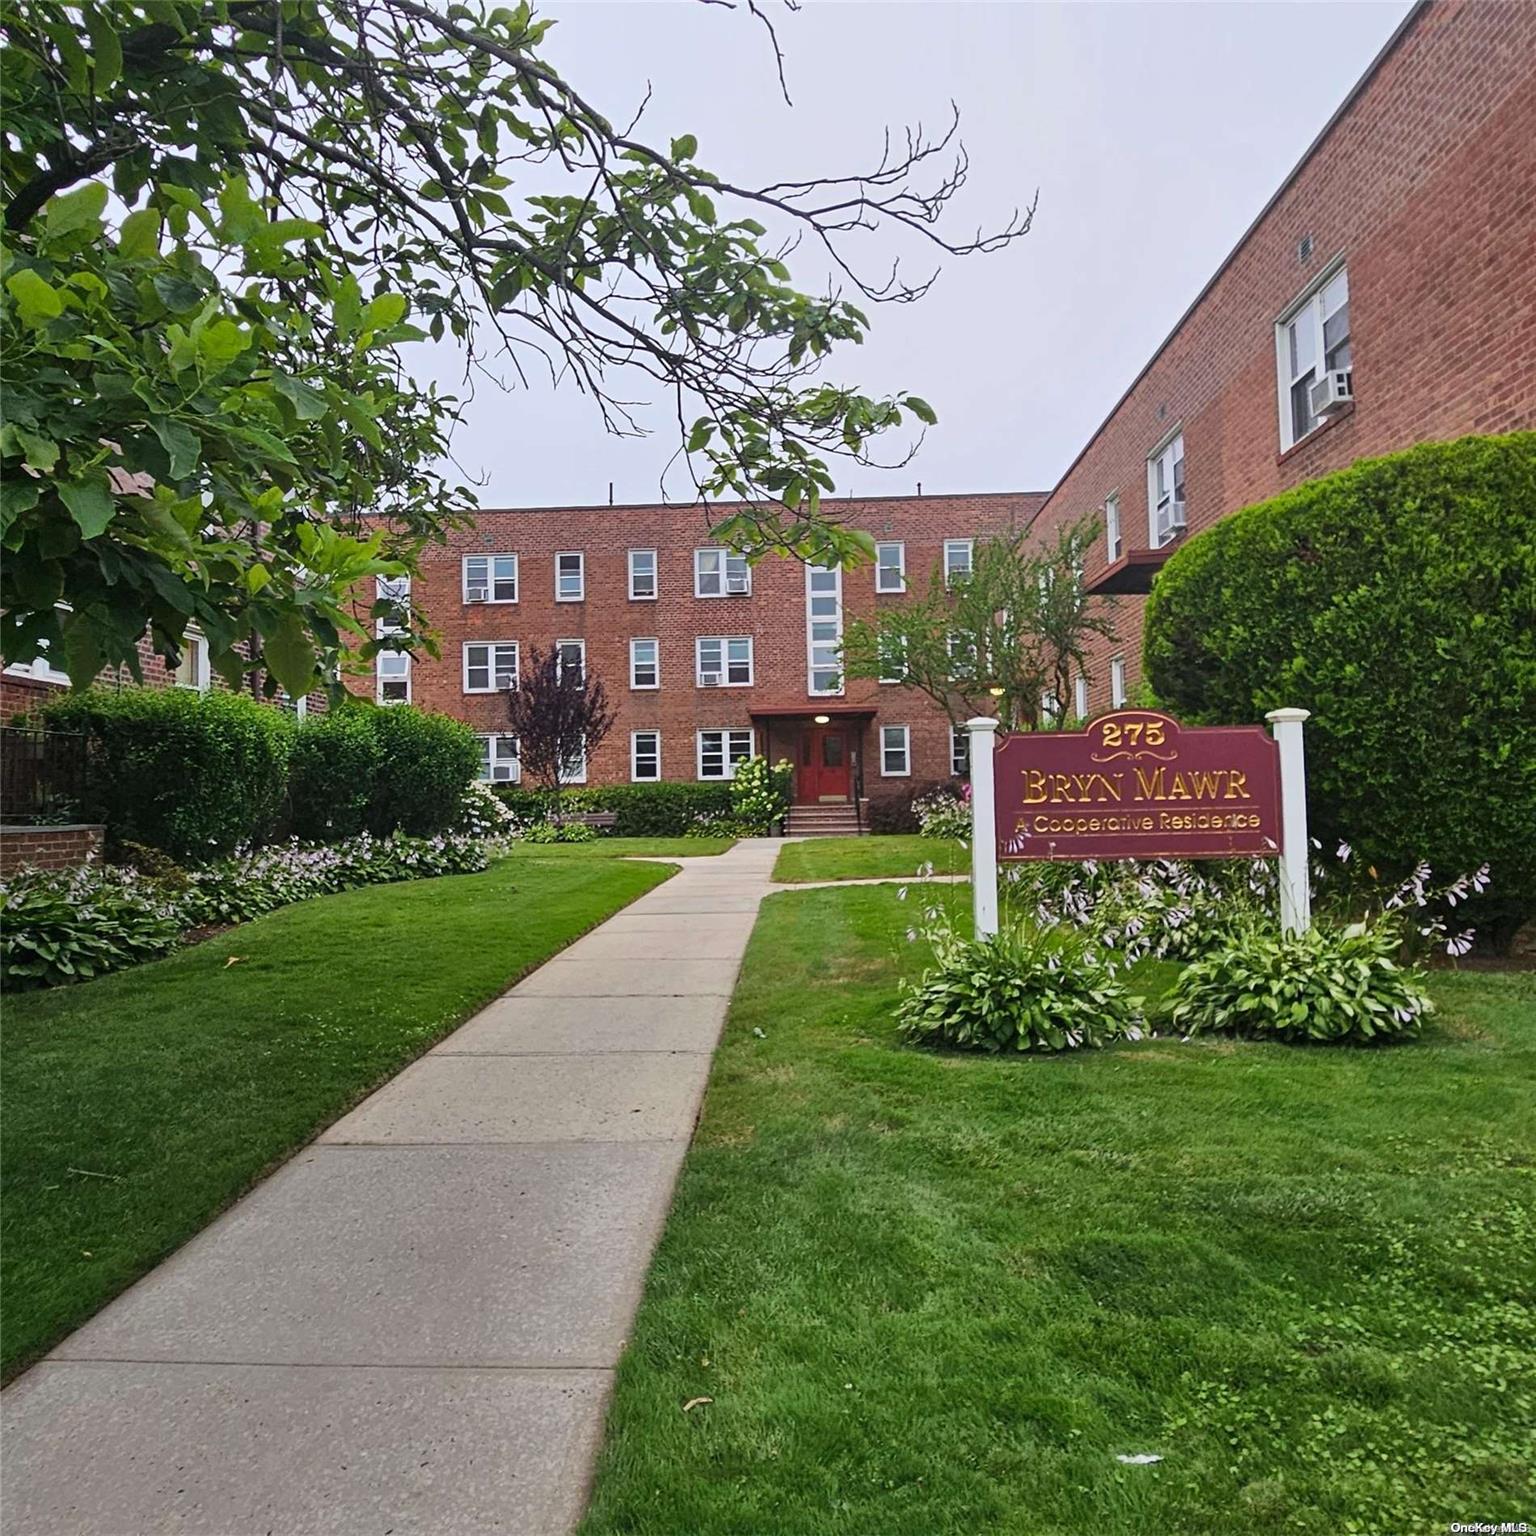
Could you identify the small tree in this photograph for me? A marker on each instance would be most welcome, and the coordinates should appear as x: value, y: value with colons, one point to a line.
x: 559, y: 714
x: 1010, y: 633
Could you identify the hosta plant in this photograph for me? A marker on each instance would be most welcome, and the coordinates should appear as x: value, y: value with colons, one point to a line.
x: 943, y: 813
x: 560, y: 832
x: 1024, y: 989
x: 1334, y: 985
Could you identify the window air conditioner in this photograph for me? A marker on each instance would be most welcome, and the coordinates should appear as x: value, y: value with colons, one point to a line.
x: 1177, y: 521
x: 709, y: 680
x: 1332, y: 392
x: 738, y: 586
x: 476, y: 595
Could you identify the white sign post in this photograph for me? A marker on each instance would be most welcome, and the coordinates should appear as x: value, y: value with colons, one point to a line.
x: 1295, y: 890
x: 982, y: 734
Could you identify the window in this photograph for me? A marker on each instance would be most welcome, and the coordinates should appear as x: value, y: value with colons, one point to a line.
x: 644, y: 756
x: 890, y: 567
x: 575, y: 770
x: 39, y: 668
x: 723, y: 661
x: 962, y: 656
x: 1165, y: 492
x: 498, y: 760
x: 570, y: 577
x: 1080, y: 696
x: 959, y: 555
x: 893, y: 658
x: 1311, y: 342
x: 721, y: 573
x: 192, y: 671
x: 1050, y: 709
x: 895, y: 751
x: 642, y: 575
x: 393, y: 670
x: 722, y: 752
x: 1113, y: 545
x: 392, y: 589
x: 1117, y: 682
x: 571, y: 660
x: 823, y: 629
x: 644, y: 664
x: 490, y: 665
x: 959, y: 752
x: 490, y: 578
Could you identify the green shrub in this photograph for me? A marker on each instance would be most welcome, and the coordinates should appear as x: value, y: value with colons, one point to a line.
x: 1396, y: 601
x: 1024, y: 989
x: 59, y: 926
x: 1333, y: 985
x: 896, y: 811
x: 644, y: 810
x: 760, y: 794
x: 425, y: 762
x: 331, y: 774
x: 194, y: 774
x: 560, y: 832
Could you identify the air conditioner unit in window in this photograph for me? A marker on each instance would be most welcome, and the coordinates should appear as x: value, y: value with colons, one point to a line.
x: 738, y: 586
x: 1332, y: 392
x: 709, y: 680
x: 1177, y: 521
x: 476, y: 595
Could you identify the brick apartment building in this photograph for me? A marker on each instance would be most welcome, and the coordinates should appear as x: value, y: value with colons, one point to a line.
x: 1385, y: 296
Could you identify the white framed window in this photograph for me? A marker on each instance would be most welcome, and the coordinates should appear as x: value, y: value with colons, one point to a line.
x: 890, y: 567
x: 570, y: 576
x: 392, y: 589
x: 959, y: 752
x: 1165, y: 491
x: 1117, y: 682
x: 1311, y: 343
x: 645, y: 664
x: 963, y: 660
x: 823, y: 629
x: 490, y: 665
x: 1080, y: 696
x: 642, y: 575
x: 644, y: 756
x: 498, y: 759
x: 193, y: 670
x: 1114, y: 545
x: 959, y: 559
x: 490, y: 578
x: 575, y: 770
x: 1050, y: 709
x: 571, y: 660
x: 393, y: 677
x: 40, y: 669
x: 720, y: 753
x: 895, y: 751
x: 723, y: 661
x: 721, y: 573
x: 893, y: 658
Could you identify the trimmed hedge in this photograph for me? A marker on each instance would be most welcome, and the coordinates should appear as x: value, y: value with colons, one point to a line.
x: 1396, y: 600
x: 894, y: 812
x: 425, y: 763
x: 644, y: 810
x: 196, y: 774
x: 336, y: 759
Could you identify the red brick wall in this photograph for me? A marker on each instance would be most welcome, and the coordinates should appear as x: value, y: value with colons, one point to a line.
x: 774, y: 615
x: 48, y: 847
x: 1426, y: 185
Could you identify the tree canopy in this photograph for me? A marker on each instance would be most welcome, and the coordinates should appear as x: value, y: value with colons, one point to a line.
x: 220, y: 223
x: 1003, y: 638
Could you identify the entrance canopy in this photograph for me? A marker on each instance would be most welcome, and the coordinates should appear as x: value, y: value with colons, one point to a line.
x: 833, y: 709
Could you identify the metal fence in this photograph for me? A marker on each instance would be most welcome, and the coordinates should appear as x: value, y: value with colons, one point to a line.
x: 44, y: 775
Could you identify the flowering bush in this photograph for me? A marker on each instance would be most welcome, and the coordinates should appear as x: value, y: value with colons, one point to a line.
x: 1024, y: 989
x: 716, y: 824
x: 59, y: 926
x: 1341, y: 986
x: 760, y: 793
x: 943, y: 813
x: 62, y: 926
x: 483, y: 813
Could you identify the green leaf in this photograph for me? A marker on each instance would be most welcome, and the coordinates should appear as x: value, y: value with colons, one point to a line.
x: 383, y: 312
x: 139, y: 237
x: 290, y: 655
x: 42, y: 453
x: 89, y: 501
x: 106, y: 50
x: 685, y: 147
x: 308, y: 403
x: 80, y: 209
x: 37, y: 300
x: 83, y: 658
x: 176, y: 293
x: 921, y: 409
x: 180, y: 444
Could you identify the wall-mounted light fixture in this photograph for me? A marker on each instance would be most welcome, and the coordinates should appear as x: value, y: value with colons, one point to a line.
x: 822, y: 719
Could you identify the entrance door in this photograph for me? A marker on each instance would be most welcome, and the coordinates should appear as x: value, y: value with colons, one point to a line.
x: 824, y: 771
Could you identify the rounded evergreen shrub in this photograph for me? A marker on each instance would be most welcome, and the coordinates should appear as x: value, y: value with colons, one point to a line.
x: 194, y: 774
x: 331, y: 774
x: 424, y: 763
x: 1396, y: 601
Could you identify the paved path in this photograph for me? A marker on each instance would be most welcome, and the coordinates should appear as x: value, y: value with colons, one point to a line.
x: 412, y: 1327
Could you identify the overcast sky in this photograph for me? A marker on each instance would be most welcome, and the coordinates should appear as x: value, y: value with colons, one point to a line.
x: 1154, y: 132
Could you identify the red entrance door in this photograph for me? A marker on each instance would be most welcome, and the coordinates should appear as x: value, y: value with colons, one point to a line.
x: 824, y: 769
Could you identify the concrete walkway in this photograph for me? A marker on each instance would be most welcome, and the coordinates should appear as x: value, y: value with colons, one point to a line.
x: 412, y: 1327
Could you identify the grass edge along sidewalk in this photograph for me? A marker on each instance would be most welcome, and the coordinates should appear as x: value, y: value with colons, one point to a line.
x: 887, y: 855
x: 924, y: 1294
x: 139, y: 1106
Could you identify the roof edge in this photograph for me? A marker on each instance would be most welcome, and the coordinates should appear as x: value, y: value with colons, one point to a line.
x: 705, y: 506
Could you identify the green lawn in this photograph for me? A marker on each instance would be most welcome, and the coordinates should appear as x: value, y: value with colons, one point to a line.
x: 862, y: 858
x: 138, y: 1106
x: 933, y: 1294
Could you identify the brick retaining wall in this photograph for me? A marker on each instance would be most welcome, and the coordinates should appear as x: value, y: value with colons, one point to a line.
x: 48, y: 847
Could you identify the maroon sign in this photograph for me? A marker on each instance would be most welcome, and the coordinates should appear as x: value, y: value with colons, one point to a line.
x: 1138, y: 785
